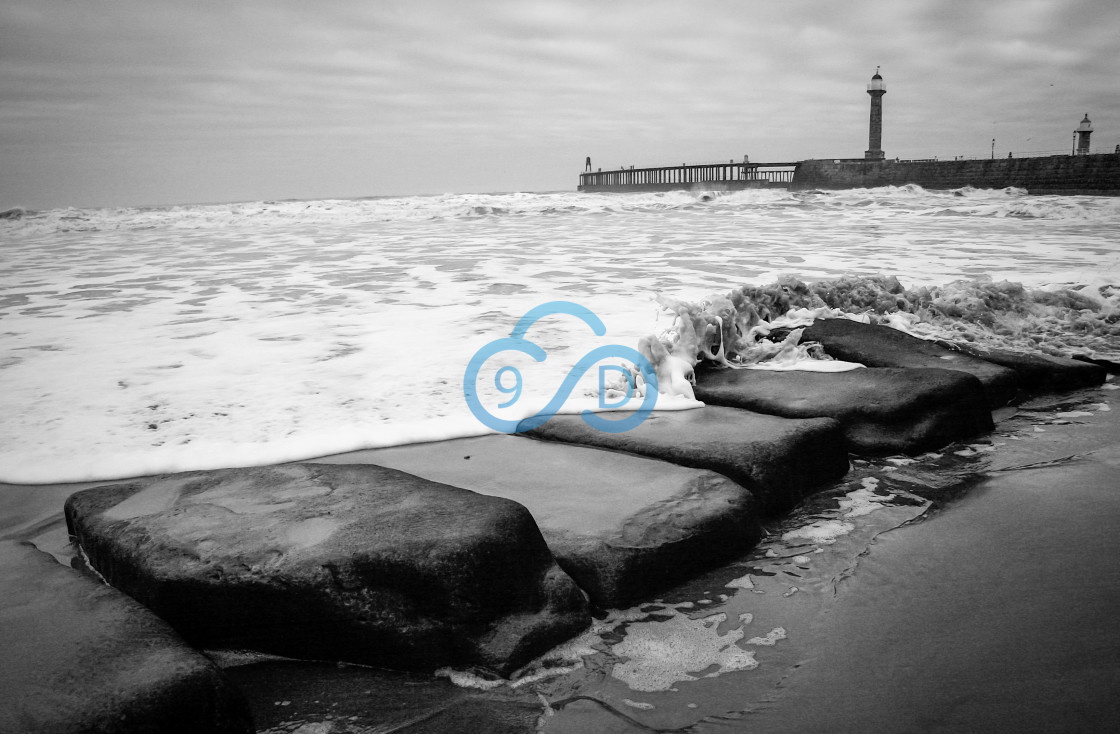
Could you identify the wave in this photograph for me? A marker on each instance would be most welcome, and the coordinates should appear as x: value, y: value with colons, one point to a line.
x: 735, y: 328
x: 908, y: 200
x: 268, y: 214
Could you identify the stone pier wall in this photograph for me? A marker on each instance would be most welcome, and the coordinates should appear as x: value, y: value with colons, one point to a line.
x: 1059, y: 174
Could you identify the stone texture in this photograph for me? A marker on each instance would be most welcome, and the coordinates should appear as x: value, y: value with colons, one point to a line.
x: 882, y: 346
x: 622, y: 526
x: 1058, y: 174
x: 1038, y: 372
x: 356, y: 563
x: 79, y: 656
x: 779, y: 460
x: 882, y: 411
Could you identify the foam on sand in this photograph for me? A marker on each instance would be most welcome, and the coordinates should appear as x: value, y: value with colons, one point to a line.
x: 657, y: 655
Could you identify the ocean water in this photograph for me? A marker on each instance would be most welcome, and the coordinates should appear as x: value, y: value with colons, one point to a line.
x: 138, y: 341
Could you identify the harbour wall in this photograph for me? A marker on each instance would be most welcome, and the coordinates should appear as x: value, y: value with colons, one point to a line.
x: 1097, y: 174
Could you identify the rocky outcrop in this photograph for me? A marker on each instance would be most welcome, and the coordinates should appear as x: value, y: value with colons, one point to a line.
x: 881, y: 411
x: 356, y: 563
x: 882, y: 346
x: 79, y: 656
x: 1038, y: 372
x: 778, y: 459
x: 622, y: 526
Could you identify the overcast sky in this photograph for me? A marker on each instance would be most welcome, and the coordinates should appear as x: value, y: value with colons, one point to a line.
x: 135, y: 102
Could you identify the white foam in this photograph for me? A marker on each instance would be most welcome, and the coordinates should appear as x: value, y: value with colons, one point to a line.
x: 772, y: 637
x: 864, y: 500
x: 743, y: 582
x: 141, y: 341
x: 656, y: 655
x: 821, y: 531
x: 638, y: 704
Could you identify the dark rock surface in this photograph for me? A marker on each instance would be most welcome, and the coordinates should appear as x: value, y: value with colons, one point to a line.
x: 1038, y: 372
x: 778, y: 459
x: 882, y: 411
x: 882, y: 346
x: 357, y: 563
x: 78, y: 656
x: 622, y: 526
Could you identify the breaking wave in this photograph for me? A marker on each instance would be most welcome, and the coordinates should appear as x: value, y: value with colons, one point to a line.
x: 910, y: 199
x: 736, y: 329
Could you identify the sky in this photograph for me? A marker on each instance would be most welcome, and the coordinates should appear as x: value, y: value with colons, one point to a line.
x: 135, y: 103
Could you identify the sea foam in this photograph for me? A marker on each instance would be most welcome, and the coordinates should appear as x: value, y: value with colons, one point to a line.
x: 140, y: 341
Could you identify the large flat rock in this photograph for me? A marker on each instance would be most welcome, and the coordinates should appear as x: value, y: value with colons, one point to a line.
x: 881, y: 411
x: 623, y: 526
x: 356, y: 563
x: 778, y: 459
x: 79, y: 656
x: 882, y: 346
x: 1038, y: 372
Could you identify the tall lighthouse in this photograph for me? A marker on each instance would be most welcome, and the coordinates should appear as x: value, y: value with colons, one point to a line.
x: 1084, y: 130
x: 876, y: 89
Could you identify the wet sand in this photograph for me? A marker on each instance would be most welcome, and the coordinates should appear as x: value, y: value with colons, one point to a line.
x: 998, y: 615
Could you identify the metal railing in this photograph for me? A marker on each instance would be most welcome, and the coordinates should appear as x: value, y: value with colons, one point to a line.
x: 684, y: 174
x: 1095, y: 150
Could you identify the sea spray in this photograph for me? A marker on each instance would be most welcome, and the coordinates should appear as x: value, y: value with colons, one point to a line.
x: 735, y: 330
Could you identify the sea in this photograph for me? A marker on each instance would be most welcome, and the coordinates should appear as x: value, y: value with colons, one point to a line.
x: 147, y: 340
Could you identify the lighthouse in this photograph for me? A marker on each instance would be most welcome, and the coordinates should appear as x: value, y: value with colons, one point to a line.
x: 1084, y: 130
x: 876, y: 89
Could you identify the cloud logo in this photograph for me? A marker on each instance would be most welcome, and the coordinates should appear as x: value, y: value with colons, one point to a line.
x: 508, y: 379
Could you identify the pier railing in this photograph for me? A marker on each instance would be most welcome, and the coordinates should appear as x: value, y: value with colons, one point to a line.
x: 776, y: 174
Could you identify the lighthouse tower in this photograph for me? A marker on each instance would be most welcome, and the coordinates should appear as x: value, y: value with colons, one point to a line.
x: 876, y: 89
x: 1084, y: 130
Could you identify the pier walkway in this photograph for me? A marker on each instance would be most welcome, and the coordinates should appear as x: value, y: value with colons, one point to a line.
x: 709, y: 176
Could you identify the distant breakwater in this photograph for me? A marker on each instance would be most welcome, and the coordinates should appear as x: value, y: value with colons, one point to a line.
x: 1057, y: 174
x: 1097, y: 174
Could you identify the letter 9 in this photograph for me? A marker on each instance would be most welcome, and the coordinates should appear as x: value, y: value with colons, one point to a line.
x: 515, y: 388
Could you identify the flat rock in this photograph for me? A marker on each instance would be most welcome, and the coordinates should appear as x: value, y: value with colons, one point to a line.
x: 1038, y: 372
x: 882, y: 346
x: 779, y: 460
x: 354, y: 563
x: 622, y: 526
x: 881, y: 411
x: 79, y: 656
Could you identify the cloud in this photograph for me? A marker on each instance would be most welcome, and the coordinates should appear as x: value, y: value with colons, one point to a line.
x: 175, y: 102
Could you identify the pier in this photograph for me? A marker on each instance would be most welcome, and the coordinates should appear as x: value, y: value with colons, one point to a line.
x: 728, y: 176
x: 1081, y: 171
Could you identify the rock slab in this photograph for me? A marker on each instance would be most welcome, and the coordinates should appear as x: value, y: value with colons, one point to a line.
x: 79, y: 656
x: 1038, y: 372
x: 779, y: 460
x: 882, y: 346
x: 881, y: 411
x: 355, y: 563
x: 622, y: 526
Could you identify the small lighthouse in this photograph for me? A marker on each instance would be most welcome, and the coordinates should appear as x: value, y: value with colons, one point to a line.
x: 876, y: 89
x: 1084, y: 130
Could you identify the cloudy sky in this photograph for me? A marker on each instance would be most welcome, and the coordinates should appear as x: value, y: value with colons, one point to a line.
x: 135, y: 102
